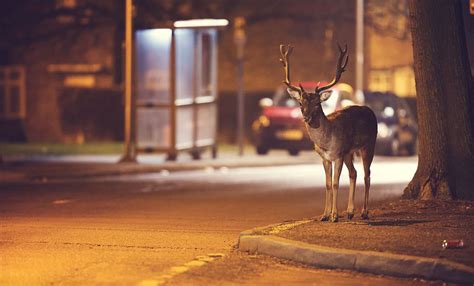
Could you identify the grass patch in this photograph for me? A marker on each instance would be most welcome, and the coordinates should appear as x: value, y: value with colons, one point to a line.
x: 105, y: 148
x: 61, y: 148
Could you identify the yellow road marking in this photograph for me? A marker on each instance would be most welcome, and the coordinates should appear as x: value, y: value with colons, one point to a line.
x: 175, y: 270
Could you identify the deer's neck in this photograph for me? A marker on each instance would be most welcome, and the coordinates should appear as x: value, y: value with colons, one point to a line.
x: 319, y: 128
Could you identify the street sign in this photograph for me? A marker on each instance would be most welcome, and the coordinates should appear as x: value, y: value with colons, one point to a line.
x: 240, y: 37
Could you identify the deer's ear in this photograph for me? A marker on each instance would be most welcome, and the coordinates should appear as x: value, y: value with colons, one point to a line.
x: 294, y: 94
x: 325, y: 95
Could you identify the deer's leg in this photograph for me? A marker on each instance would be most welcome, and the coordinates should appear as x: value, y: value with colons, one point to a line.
x: 335, y: 188
x: 327, y: 207
x: 348, y: 160
x: 367, y: 158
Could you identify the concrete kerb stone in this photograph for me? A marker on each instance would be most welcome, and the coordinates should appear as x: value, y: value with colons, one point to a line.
x: 259, y: 240
x: 110, y: 169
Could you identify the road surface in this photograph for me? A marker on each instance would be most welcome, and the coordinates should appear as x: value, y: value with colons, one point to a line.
x: 131, y: 230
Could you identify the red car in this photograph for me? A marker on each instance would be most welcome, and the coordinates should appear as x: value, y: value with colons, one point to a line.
x: 280, y: 124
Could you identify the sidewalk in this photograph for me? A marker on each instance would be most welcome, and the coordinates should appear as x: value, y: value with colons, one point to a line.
x: 400, y: 239
x: 48, y: 167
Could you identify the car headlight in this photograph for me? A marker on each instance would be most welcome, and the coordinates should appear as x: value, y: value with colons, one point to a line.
x: 383, y: 130
x: 264, y: 121
x: 296, y: 113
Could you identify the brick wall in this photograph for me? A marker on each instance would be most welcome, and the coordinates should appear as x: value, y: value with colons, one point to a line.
x: 310, y: 60
x: 91, y: 47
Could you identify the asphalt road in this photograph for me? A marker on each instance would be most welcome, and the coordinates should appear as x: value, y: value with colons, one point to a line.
x: 131, y: 230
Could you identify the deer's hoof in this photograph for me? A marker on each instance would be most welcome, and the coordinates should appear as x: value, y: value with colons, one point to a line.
x: 333, y: 217
x: 324, y: 218
x: 350, y: 215
x: 364, y: 215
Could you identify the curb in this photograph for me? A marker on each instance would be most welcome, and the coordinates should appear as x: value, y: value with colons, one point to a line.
x: 260, y: 240
x: 109, y: 169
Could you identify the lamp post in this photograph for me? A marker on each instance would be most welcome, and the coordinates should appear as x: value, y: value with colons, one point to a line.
x: 359, y: 82
x: 129, y: 146
x: 239, y: 40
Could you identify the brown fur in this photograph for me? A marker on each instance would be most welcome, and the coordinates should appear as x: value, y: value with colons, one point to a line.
x: 337, y: 136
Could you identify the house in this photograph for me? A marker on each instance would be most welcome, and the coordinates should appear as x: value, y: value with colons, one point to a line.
x: 62, y: 73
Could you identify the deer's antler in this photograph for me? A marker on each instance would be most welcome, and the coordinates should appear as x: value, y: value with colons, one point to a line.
x: 285, y: 52
x: 340, y: 68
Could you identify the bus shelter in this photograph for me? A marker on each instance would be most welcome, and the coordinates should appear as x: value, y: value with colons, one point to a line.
x: 176, y: 88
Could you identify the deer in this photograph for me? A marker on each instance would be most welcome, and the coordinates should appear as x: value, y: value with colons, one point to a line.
x: 337, y: 136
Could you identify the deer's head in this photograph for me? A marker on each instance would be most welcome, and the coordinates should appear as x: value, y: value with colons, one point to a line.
x: 310, y: 102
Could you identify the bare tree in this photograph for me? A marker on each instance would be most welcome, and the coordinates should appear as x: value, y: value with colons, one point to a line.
x: 445, y: 102
x: 388, y: 17
x: 23, y: 22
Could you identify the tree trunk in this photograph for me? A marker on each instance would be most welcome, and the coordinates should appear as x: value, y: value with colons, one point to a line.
x: 444, y: 103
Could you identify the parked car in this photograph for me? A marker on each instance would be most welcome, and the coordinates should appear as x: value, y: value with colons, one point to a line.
x: 397, y: 124
x: 280, y: 124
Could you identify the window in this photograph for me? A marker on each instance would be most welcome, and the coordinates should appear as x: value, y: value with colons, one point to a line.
x: 400, y: 80
x: 404, y: 81
x: 65, y: 5
x: 380, y: 80
x: 207, y: 64
x: 12, y: 92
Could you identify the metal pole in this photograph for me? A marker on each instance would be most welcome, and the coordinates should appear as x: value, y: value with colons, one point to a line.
x: 240, y: 106
x: 240, y: 39
x: 359, y: 82
x: 129, y: 147
x: 172, y: 152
